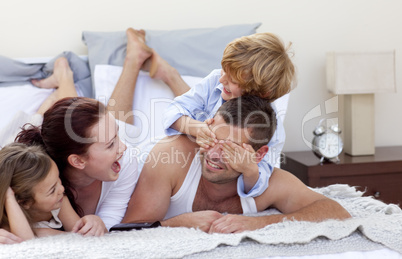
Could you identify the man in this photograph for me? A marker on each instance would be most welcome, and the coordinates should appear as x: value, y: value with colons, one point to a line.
x: 195, y: 194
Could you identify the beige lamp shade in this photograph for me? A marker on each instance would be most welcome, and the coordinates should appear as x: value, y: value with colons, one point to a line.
x: 361, y: 72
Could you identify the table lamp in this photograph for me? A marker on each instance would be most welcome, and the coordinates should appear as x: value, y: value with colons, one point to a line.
x: 358, y: 76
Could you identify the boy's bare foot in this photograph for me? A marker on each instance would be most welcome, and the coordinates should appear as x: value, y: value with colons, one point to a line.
x: 61, y: 70
x: 137, y: 50
x: 158, y: 67
x: 151, y: 65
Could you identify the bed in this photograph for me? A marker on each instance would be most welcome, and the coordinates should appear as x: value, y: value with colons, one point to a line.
x: 375, y: 231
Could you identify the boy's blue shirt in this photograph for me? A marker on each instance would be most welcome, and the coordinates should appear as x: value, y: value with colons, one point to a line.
x: 200, y: 103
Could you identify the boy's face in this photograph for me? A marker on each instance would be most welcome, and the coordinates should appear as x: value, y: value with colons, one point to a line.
x: 231, y: 89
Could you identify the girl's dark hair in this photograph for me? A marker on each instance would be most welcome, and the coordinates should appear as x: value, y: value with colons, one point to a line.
x: 65, y: 130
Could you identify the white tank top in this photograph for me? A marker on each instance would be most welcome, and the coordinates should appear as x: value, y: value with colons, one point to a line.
x: 182, y: 201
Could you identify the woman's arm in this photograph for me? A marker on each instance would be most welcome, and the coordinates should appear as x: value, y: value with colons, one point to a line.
x: 67, y: 215
x: 89, y: 225
x: 19, y: 224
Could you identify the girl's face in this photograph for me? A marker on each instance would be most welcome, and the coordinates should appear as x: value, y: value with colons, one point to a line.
x: 48, y: 194
x: 102, y: 161
x: 231, y: 89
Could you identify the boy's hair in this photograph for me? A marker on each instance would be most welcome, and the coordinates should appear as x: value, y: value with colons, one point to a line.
x: 260, y: 64
x: 251, y: 112
x: 22, y: 167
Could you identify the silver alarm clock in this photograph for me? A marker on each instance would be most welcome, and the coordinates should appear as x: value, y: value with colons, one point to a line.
x: 327, y: 143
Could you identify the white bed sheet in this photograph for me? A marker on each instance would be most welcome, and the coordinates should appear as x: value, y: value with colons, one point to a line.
x: 151, y: 98
x: 13, y: 99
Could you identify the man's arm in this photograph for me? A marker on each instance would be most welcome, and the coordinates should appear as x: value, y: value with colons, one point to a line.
x: 159, y: 177
x: 290, y: 196
x: 200, y: 219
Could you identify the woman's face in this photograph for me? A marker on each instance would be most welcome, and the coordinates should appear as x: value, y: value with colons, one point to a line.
x: 48, y: 193
x: 102, y: 160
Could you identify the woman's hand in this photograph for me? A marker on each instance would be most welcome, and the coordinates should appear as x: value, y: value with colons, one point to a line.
x: 90, y: 225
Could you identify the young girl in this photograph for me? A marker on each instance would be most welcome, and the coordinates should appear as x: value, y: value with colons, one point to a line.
x: 32, y: 196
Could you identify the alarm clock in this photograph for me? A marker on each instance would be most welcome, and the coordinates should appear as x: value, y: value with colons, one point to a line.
x: 327, y: 143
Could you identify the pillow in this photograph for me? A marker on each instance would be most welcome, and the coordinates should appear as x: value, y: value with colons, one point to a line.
x: 151, y: 98
x: 193, y: 52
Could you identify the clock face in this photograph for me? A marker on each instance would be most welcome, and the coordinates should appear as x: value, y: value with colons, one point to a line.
x: 330, y: 145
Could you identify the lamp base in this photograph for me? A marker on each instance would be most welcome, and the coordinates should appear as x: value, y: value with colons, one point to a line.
x: 359, y: 124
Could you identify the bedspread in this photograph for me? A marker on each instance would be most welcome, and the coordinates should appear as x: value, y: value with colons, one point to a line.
x: 374, y: 225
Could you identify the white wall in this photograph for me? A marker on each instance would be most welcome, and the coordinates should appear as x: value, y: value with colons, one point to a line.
x: 47, y: 27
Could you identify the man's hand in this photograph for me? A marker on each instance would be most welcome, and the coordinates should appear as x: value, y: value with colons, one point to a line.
x: 235, y: 224
x: 199, y: 219
x: 205, y: 137
x: 90, y: 225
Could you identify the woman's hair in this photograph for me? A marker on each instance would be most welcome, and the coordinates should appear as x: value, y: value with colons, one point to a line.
x: 261, y: 65
x: 65, y: 130
x: 22, y: 167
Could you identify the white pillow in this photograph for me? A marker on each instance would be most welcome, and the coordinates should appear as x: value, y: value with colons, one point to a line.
x: 151, y: 98
x: 18, y: 104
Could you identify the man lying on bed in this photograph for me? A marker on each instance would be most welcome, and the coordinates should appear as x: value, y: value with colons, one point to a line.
x: 195, y: 194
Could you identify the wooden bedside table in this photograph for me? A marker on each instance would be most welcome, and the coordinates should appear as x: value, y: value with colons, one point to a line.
x: 380, y: 174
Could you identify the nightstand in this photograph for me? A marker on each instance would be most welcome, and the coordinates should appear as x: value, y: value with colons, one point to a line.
x: 380, y: 175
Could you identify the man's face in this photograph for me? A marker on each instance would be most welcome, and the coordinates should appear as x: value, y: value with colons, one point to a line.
x: 214, y: 169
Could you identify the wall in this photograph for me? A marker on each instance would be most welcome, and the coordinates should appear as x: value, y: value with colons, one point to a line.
x: 46, y: 28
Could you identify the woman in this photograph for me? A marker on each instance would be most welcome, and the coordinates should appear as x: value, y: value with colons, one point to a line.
x: 81, y: 136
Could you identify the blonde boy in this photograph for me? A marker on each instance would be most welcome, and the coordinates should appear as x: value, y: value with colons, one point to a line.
x: 258, y: 65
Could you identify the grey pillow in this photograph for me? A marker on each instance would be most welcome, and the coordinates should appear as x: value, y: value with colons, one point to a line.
x: 193, y: 52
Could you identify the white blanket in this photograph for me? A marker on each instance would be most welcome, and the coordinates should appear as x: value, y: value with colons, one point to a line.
x: 374, y: 226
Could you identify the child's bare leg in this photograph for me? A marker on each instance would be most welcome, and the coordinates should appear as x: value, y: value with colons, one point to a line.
x: 160, y: 69
x: 61, y: 79
x: 121, y: 101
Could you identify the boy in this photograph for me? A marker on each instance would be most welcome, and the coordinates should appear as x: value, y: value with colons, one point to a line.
x: 252, y: 65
